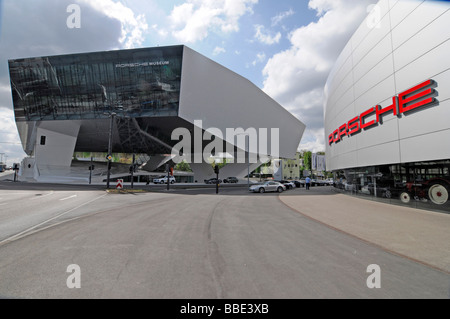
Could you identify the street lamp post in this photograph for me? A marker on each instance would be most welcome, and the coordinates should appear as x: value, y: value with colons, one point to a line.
x: 132, y: 171
x: 248, y: 161
x: 110, y: 149
x: 247, y: 149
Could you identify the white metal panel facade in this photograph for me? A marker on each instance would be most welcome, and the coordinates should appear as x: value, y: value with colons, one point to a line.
x: 223, y: 99
x: 409, y: 45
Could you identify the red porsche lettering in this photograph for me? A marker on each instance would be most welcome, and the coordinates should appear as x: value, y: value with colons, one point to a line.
x: 410, y: 99
x: 353, y: 126
x: 418, y: 96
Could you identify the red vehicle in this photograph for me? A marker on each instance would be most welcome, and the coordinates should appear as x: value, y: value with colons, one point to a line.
x: 435, y: 189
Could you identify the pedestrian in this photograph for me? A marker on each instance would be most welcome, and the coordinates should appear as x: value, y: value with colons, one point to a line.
x: 307, y: 182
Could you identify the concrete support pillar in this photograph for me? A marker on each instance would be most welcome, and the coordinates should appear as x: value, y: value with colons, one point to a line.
x: 54, y: 148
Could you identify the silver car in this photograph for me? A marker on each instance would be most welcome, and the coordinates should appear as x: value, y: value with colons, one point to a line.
x: 267, y: 187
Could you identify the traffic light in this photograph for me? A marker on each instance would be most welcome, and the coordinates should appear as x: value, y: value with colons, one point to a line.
x: 216, y: 169
x: 91, y: 167
x: 133, y: 168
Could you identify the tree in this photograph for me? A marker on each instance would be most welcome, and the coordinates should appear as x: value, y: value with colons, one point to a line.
x: 183, y: 167
x: 301, y: 169
x: 221, y: 164
x: 307, y: 160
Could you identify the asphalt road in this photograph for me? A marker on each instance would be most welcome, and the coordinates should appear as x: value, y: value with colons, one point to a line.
x: 188, y: 244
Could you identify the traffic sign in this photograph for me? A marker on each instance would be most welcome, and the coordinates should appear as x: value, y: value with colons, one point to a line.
x: 119, y: 184
x: 109, y: 157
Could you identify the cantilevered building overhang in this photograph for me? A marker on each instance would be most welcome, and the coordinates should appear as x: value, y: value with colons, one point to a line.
x: 63, y: 105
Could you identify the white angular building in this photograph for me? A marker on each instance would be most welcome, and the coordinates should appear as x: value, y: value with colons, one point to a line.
x: 63, y: 104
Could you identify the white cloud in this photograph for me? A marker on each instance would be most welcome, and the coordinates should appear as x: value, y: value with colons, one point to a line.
x: 323, y: 6
x: 193, y: 20
x: 296, y: 77
x: 133, y: 26
x: 5, y: 94
x: 160, y: 31
x: 264, y: 37
x: 313, y: 141
x: 281, y: 16
x: 38, y: 28
x: 260, y: 57
x: 218, y: 50
x: 10, y: 144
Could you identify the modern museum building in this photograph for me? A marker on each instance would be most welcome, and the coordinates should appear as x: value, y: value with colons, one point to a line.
x: 387, y: 107
x: 132, y: 102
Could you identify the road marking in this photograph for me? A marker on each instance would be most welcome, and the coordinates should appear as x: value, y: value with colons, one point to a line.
x: 41, y: 196
x: 48, y: 220
x: 73, y: 196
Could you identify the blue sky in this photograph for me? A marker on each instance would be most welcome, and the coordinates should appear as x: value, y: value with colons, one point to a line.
x: 239, y: 50
x: 285, y: 47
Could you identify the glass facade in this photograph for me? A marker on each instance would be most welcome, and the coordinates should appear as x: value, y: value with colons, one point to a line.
x: 420, y: 184
x: 132, y: 83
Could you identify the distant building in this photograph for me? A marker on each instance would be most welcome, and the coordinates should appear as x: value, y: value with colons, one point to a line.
x: 283, y: 168
x: 291, y: 167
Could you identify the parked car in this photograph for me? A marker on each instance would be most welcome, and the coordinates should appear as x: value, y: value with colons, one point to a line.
x: 269, y: 186
x: 299, y: 183
x: 288, y: 184
x: 163, y: 180
x: 330, y: 181
x: 321, y: 182
x: 383, y: 191
x: 340, y: 183
x: 349, y: 186
x: 213, y: 181
x: 385, y: 188
x: 230, y: 180
x: 302, y: 182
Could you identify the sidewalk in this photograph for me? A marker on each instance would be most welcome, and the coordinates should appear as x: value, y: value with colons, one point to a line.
x: 420, y: 235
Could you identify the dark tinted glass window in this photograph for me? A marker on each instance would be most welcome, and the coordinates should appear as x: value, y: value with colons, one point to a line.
x: 135, y: 83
